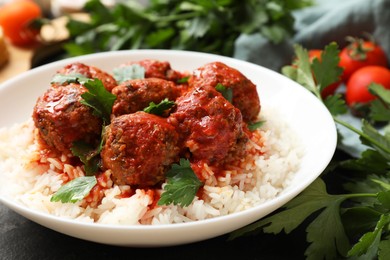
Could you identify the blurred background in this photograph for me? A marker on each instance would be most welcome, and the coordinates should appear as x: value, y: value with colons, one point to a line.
x: 34, y: 33
x: 259, y: 31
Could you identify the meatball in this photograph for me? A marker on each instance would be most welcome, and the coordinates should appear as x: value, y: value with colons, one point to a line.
x: 245, y: 96
x: 90, y: 72
x: 158, y: 69
x: 136, y: 94
x: 139, y: 149
x: 62, y: 119
x: 209, y: 125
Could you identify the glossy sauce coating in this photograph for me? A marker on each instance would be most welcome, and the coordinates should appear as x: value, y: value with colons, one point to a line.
x: 139, y: 148
x: 89, y: 72
x: 134, y: 95
x: 62, y: 119
x: 245, y: 96
x: 158, y: 69
x: 209, y: 125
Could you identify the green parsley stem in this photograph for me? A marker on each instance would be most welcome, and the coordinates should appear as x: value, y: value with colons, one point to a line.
x: 177, y: 17
x: 359, y: 195
x: 350, y: 127
x: 362, y: 134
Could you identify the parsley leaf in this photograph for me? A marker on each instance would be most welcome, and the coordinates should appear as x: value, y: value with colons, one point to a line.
x: 88, y: 155
x: 134, y: 71
x: 380, y: 107
x: 183, y: 80
x: 335, y: 104
x: 255, y: 125
x: 327, y: 70
x: 315, y: 77
x: 370, y: 161
x: 373, y: 138
x: 368, y: 244
x: 182, y: 185
x: 160, y: 108
x: 75, y: 190
x: 384, y: 248
x: 324, y: 232
x: 227, y: 93
x: 301, y: 70
x: 70, y: 78
x: 99, y: 99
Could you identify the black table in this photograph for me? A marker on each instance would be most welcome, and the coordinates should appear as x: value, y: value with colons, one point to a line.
x: 21, y: 238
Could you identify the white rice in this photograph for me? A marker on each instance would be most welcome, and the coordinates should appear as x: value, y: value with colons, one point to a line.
x: 262, y: 179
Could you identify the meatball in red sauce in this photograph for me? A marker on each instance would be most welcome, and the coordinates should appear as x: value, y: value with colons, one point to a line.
x: 158, y: 69
x: 62, y: 119
x: 245, y: 96
x: 210, y: 127
x: 90, y: 72
x: 136, y: 94
x: 139, y: 149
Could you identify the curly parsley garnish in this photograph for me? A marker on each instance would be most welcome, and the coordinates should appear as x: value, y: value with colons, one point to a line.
x: 182, y: 185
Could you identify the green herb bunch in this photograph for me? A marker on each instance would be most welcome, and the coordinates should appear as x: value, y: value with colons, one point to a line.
x: 355, y: 222
x: 197, y: 25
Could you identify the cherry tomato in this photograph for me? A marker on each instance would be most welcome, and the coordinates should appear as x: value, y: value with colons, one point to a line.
x: 358, y: 54
x: 357, y: 86
x: 16, y: 18
x: 329, y: 90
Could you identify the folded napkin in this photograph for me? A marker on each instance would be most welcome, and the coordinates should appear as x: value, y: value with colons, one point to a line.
x: 317, y: 26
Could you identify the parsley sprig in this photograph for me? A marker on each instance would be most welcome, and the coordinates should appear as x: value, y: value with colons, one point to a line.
x: 100, y: 101
x: 355, y: 223
x: 182, y: 185
x: 75, y: 190
x: 160, y: 108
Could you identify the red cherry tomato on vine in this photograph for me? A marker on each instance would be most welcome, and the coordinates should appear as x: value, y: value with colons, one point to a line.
x: 359, y: 54
x: 329, y: 90
x: 357, y: 86
x: 16, y: 18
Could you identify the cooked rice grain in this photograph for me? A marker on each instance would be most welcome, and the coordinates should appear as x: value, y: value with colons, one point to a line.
x: 275, y: 156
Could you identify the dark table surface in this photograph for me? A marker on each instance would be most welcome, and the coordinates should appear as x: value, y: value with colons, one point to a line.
x: 21, y: 238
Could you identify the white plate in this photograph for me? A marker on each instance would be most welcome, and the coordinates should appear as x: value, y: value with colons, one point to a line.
x: 304, y: 113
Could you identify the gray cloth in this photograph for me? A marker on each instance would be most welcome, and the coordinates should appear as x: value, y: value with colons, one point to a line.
x: 317, y: 26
